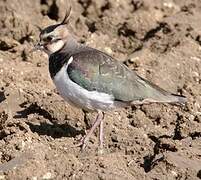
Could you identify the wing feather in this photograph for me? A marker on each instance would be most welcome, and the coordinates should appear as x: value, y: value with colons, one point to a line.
x: 97, y: 71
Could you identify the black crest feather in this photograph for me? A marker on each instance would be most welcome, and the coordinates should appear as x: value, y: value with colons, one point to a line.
x: 67, y: 16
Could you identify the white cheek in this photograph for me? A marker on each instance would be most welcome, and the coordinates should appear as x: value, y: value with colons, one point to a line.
x: 55, y: 46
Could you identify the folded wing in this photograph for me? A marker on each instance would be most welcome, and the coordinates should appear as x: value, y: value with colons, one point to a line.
x: 97, y: 71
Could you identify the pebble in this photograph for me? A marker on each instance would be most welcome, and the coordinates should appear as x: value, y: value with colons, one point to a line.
x: 34, y: 178
x: 47, y: 176
x: 191, y: 117
x: 108, y: 50
x: 195, y: 58
x: 2, y: 177
x: 174, y: 173
x: 168, y: 4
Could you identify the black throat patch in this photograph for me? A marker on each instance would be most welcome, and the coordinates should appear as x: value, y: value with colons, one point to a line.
x: 56, y: 62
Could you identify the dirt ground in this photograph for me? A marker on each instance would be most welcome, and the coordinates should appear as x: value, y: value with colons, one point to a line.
x: 160, y: 39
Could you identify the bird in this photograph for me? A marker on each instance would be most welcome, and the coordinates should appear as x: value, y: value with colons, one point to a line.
x: 92, y: 80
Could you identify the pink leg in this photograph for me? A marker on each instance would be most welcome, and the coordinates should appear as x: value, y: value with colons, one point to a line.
x: 97, y: 122
x: 101, y: 134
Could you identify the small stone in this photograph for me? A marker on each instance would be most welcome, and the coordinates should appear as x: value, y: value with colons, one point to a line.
x: 2, y: 177
x: 191, y: 117
x: 168, y: 5
x: 134, y: 59
x: 38, y: 64
x: 78, y: 124
x: 145, y: 136
x: 195, y: 58
x: 108, y: 50
x: 195, y: 74
x: 174, y: 173
x: 34, y: 178
x: 47, y: 176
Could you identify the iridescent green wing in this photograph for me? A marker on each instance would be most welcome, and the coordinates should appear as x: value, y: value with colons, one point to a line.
x: 96, y: 71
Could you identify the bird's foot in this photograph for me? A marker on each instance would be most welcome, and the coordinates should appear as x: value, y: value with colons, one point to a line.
x: 82, y: 143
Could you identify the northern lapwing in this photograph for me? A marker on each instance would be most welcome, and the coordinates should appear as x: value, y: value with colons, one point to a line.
x: 92, y: 80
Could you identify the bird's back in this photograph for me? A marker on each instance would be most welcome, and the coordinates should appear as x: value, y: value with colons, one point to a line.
x: 97, y: 71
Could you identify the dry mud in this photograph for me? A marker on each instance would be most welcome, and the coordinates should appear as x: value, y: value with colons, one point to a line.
x: 160, y: 39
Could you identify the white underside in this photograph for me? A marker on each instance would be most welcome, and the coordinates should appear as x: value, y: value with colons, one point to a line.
x: 80, y: 97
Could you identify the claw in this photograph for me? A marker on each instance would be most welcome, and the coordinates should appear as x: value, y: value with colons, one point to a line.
x: 84, y: 140
x: 81, y: 143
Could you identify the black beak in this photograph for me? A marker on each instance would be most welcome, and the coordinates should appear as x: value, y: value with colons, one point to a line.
x: 38, y: 46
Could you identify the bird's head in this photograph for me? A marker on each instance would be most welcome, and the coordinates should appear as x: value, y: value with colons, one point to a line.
x: 54, y: 37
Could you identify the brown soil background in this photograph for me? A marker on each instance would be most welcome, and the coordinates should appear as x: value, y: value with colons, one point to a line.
x: 160, y: 39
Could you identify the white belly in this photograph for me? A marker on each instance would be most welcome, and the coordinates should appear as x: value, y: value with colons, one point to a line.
x: 80, y: 97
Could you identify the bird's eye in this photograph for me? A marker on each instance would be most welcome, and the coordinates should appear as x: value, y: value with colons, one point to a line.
x: 48, y: 38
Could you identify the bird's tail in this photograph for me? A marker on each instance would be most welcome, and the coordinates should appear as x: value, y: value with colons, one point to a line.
x: 178, y: 99
x: 168, y: 98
